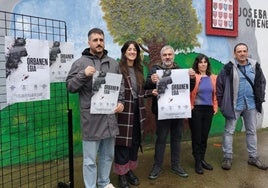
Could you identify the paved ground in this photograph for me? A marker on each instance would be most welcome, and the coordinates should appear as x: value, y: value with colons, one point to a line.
x: 241, y: 175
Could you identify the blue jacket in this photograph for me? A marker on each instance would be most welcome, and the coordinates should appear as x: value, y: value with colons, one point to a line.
x: 228, y: 83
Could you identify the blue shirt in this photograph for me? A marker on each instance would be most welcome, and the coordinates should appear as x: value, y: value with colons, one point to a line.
x: 245, y: 98
x: 204, y: 94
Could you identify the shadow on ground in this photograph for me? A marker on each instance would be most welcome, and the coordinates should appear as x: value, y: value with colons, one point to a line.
x: 241, y: 174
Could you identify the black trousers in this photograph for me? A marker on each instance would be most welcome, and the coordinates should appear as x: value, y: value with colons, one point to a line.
x: 163, y: 128
x: 200, y: 125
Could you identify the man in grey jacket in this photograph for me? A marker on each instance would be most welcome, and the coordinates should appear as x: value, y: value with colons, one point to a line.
x: 98, y: 130
x: 240, y: 90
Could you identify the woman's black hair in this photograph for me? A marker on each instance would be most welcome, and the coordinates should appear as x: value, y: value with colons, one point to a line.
x: 199, y: 59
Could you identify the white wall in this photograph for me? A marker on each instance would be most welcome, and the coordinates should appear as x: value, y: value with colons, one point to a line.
x: 261, y: 35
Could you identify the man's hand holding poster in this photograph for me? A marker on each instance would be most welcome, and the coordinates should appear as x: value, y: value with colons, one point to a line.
x: 106, y: 87
x: 173, y: 94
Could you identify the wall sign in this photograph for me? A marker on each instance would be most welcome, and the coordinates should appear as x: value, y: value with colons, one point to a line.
x: 222, y: 17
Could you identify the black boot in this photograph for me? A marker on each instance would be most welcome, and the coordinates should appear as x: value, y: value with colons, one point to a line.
x: 198, y: 167
x: 122, y: 182
x: 206, y: 165
x: 132, y: 178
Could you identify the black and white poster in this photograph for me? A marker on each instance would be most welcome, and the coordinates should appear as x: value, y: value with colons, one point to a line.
x: 61, y: 56
x: 27, y: 70
x: 106, y: 87
x: 173, y: 94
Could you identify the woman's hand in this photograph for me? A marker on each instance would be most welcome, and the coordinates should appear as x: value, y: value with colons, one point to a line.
x: 119, y: 108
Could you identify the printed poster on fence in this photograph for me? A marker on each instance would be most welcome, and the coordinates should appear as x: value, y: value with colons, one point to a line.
x: 27, y: 70
x: 61, y: 56
x: 173, y: 94
x: 106, y: 87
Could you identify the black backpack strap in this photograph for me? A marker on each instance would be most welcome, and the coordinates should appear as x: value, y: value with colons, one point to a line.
x: 248, y: 79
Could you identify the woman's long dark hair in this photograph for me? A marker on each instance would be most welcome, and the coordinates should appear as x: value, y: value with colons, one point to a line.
x: 137, y: 63
x: 197, y: 60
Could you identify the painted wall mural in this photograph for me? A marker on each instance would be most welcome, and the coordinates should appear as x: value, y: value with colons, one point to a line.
x: 154, y: 23
x: 79, y: 22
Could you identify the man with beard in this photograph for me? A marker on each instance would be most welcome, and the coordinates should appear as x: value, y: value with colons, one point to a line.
x: 166, y: 126
x: 98, y: 130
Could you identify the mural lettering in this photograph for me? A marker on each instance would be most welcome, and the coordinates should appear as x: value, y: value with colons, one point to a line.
x: 256, y: 18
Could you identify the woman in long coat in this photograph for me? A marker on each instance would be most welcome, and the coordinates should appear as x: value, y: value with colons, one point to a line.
x: 131, y: 120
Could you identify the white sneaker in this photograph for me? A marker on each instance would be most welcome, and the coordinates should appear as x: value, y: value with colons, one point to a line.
x: 109, y: 186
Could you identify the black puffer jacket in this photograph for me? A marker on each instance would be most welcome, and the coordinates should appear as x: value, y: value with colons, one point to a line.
x: 259, y: 87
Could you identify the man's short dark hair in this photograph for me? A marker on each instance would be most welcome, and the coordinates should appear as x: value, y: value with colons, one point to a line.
x: 95, y: 30
x: 240, y: 44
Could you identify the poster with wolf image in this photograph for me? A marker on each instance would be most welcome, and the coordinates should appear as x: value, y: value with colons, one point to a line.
x: 27, y: 70
x: 61, y: 56
x: 105, y: 88
x: 173, y: 94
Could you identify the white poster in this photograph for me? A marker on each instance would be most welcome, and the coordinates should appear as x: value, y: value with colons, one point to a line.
x: 61, y: 56
x: 173, y: 94
x: 27, y: 70
x: 106, y: 87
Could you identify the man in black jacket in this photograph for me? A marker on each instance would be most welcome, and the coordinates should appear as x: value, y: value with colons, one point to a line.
x: 240, y: 90
x: 164, y: 127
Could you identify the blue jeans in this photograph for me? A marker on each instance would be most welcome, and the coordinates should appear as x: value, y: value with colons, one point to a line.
x: 250, y: 122
x: 103, y: 150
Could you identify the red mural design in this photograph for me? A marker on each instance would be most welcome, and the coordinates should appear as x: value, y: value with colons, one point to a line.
x: 222, y: 17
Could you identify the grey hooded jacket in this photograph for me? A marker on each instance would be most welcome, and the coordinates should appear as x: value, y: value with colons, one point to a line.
x: 94, y: 126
